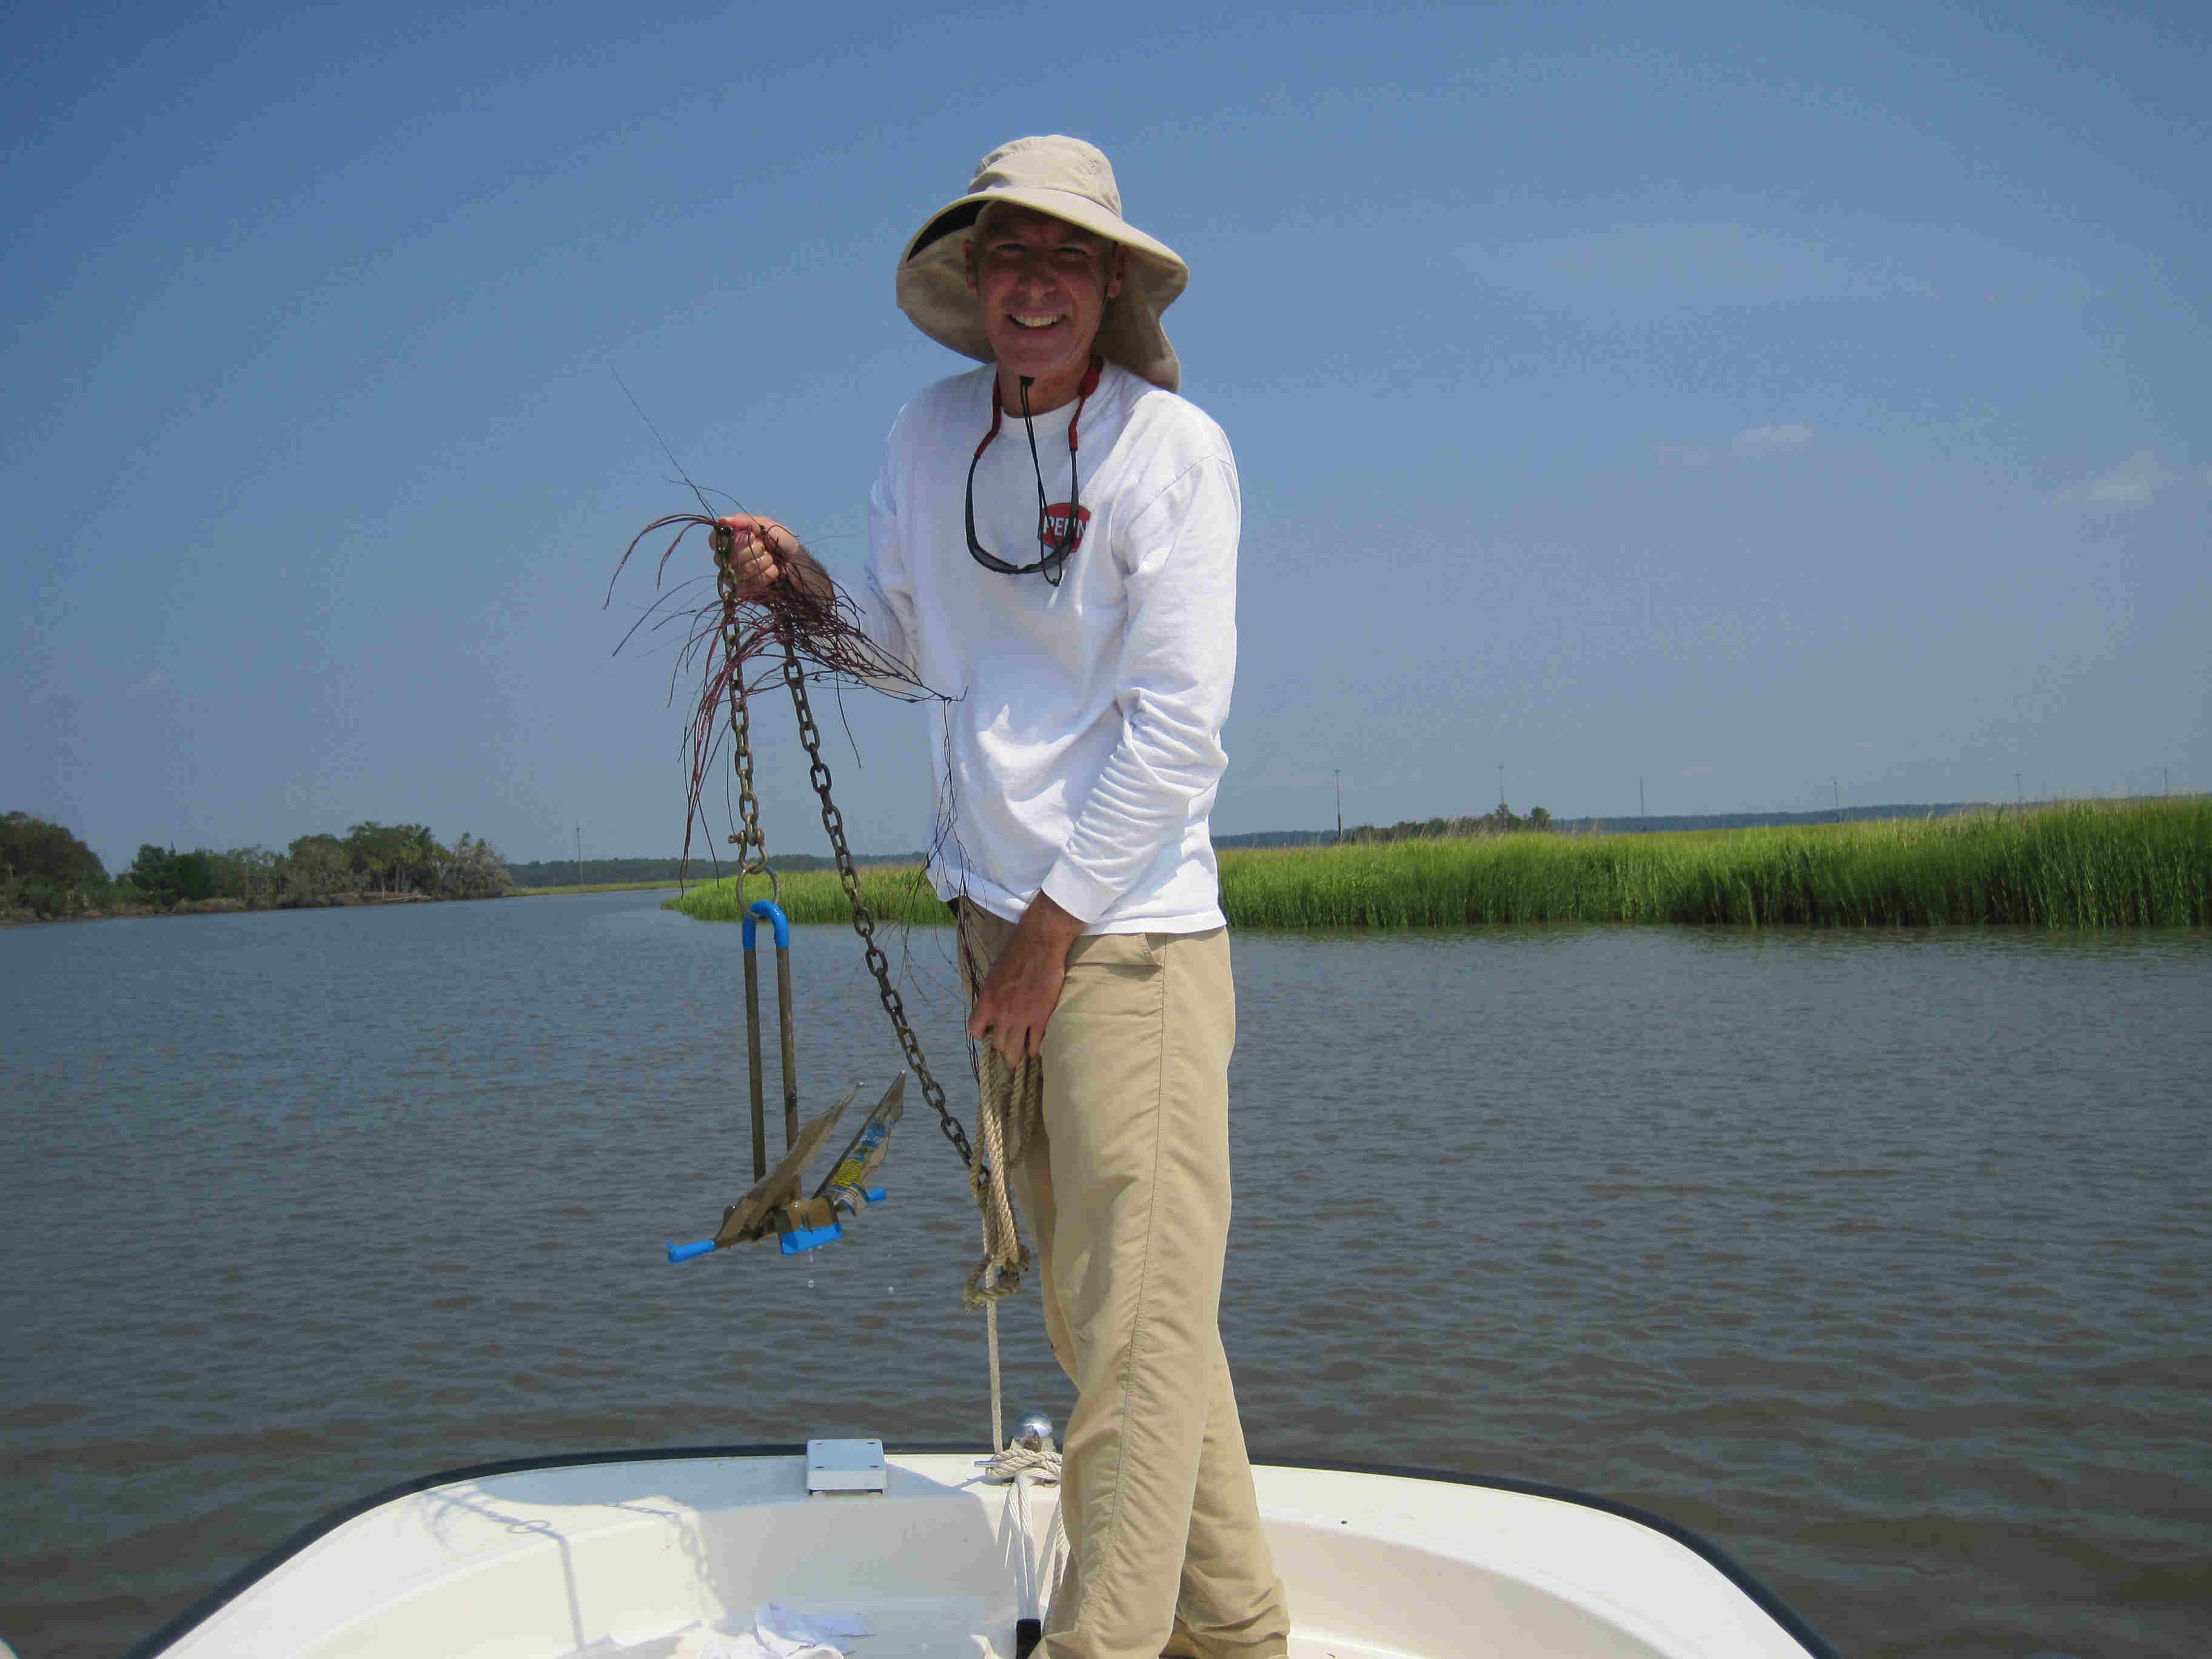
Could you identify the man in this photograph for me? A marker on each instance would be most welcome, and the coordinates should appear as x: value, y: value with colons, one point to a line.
x: 1053, y: 546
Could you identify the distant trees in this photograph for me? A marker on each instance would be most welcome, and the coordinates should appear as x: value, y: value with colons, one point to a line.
x: 1501, y: 820
x: 478, y: 871
x: 560, y: 873
x: 246, y: 873
x: 33, y: 847
x: 386, y: 857
x: 46, y: 871
x: 43, y: 866
x: 168, y: 877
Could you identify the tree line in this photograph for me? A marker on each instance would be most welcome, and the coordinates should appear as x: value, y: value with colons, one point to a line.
x: 45, y: 871
x: 1500, y: 820
x: 568, y: 872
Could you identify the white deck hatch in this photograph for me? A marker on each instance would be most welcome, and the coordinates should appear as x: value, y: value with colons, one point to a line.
x: 836, y: 1465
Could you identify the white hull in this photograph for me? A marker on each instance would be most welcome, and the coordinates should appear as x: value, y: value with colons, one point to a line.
x: 619, y: 1558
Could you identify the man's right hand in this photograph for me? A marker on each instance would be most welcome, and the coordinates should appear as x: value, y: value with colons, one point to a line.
x: 762, y: 553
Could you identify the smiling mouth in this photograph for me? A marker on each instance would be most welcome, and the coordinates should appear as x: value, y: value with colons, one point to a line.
x: 1021, y: 321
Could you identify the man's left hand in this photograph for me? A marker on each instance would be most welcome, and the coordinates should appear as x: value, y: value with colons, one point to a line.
x: 1023, y: 986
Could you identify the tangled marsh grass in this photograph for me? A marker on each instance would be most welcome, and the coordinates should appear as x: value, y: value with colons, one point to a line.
x: 2139, y: 863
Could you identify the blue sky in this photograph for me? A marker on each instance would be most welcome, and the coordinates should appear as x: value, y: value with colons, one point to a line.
x: 1736, y: 398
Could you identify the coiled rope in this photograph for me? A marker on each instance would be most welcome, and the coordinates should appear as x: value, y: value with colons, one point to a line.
x: 1010, y: 1111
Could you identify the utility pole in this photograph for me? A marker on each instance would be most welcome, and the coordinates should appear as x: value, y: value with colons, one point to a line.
x: 1639, y: 797
x: 1501, y: 787
x: 1339, y: 777
x: 1838, y: 788
x: 580, y: 855
x: 2019, y: 791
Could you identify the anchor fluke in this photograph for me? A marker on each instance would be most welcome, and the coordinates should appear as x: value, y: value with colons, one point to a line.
x: 751, y: 1216
x: 802, y: 1223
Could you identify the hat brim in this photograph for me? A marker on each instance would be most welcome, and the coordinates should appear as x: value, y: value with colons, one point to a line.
x: 932, y: 281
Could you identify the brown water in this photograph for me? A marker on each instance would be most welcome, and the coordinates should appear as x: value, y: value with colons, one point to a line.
x: 1879, y: 1260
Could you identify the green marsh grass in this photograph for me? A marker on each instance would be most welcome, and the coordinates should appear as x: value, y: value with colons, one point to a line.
x: 2141, y: 864
x: 592, y: 887
x: 895, y: 892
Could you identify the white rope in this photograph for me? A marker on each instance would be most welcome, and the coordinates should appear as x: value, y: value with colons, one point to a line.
x: 1009, y: 1114
x: 998, y: 1410
x: 1025, y: 1463
x: 1024, y: 1466
x: 1041, y: 1462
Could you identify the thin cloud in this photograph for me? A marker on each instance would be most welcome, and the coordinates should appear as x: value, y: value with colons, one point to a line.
x: 1751, y: 444
x: 2134, y: 482
x: 1756, y: 442
x: 1697, y: 771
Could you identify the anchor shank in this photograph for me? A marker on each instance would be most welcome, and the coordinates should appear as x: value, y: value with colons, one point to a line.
x: 790, y: 1049
x: 753, y: 1062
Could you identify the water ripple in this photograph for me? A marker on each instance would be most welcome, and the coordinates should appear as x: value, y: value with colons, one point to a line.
x: 1879, y: 1258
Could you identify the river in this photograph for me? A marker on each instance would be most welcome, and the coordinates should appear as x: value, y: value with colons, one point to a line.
x: 1879, y: 1259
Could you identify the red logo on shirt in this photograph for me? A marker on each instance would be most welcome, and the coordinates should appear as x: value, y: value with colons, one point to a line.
x: 1053, y: 525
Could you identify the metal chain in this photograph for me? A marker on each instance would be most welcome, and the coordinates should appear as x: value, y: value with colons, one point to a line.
x: 741, y: 748
x: 864, y: 920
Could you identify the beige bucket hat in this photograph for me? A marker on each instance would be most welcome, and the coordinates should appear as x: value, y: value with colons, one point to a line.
x: 1070, y: 180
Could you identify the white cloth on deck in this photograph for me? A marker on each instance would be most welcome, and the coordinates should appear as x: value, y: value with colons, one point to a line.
x: 779, y: 1632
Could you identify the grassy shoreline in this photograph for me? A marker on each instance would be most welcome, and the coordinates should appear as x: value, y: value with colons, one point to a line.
x: 2141, y: 864
x: 594, y: 887
x: 134, y: 911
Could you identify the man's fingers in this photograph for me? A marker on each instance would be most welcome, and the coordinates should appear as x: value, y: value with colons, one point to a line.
x: 743, y: 533
x: 1013, y: 1006
x: 1015, y: 1042
x: 754, y: 563
x: 999, y: 1034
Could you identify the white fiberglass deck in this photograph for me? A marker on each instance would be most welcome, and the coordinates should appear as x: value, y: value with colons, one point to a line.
x: 617, y: 1560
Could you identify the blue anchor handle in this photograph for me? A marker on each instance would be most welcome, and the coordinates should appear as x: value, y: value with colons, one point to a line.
x: 765, y: 909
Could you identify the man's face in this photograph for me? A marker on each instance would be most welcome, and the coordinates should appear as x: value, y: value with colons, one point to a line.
x: 1043, y: 285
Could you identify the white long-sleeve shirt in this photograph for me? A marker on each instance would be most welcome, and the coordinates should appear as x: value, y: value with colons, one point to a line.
x: 1084, y: 740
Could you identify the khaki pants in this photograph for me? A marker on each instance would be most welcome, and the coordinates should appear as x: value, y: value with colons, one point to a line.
x: 1127, y: 1200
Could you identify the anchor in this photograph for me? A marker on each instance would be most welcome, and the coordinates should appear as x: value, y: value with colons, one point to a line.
x: 774, y: 1204
x: 804, y: 630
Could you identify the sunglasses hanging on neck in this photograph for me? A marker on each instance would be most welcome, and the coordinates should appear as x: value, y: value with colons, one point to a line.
x: 1056, y: 548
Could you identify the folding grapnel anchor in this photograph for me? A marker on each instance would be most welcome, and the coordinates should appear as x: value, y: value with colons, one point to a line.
x: 773, y: 1204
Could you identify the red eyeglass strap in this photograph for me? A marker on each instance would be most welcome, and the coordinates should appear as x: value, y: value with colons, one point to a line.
x: 1082, y: 396
x: 993, y: 432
